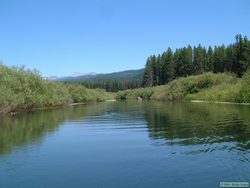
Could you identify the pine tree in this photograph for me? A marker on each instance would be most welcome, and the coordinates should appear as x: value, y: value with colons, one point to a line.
x: 154, y: 69
x: 178, y: 63
x: 230, y: 58
x: 186, y: 61
x: 221, y: 58
x: 215, y: 60
x: 209, y: 59
x: 199, y: 60
x: 246, y: 53
x: 164, y: 67
x: 181, y: 63
x: 147, y: 80
x: 159, y: 67
x: 170, y: 72
x: 242, y: 55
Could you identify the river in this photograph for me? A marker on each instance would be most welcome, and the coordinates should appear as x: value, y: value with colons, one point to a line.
x: 126, y: 144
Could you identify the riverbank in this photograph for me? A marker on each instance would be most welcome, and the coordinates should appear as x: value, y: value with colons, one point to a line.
x: 220, y: 87
x: 217, y: 102
x: 25, y: 90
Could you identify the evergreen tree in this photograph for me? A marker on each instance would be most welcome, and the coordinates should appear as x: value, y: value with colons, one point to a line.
x: 230, y: 58
x: 155, y: 69
x: 186, y: 58
x: 178, y: 63
x: 164, y: 67
x: 221, y: 58
x: 170, y: 72
x: 242, y: 55
x: 186, y: 61
x: 199, y: 60
x: 209, y: 59
x: 216, y: 60
x: 159, y: 73
x: 148, y: 74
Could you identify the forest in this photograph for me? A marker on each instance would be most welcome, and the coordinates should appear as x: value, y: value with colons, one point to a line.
x: 212, y: 74
x: 111, y: 82
x: 182, y: 62
x: 112, y: 85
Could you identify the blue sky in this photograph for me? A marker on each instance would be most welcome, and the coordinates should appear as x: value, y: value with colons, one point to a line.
x: 59, y: 37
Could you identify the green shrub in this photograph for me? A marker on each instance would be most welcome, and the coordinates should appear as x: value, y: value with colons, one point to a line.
x: 179, y: 88
x: 244, y: 93
x: 220, y: 93
x: 22, y: 89
x: 207, y: 86
x: 144, y: 93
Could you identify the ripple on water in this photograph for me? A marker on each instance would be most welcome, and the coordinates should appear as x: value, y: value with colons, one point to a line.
x: 123, y: 145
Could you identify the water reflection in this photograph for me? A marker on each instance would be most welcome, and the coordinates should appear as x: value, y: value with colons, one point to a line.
x: 208, y: 125
x: 32, y: 127
x: 126, y: 144
x: 213, y: 127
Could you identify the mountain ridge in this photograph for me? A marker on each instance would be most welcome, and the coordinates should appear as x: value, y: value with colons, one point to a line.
x: 121, y: 75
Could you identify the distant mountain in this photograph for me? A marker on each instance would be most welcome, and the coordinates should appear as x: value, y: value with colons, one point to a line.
x: 123, y: 75
x: 51, y: 78
x: 78, y: 74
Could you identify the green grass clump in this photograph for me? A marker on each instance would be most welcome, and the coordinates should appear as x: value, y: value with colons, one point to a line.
x: 221, y: 93
x: 144, y: 93
x: 179, y: 88
x: 22, y: 89
x: 244, y: 93
x: 222, y: 87
x: 80, y: 94
x: 99, y: 95
x: 236, y: 90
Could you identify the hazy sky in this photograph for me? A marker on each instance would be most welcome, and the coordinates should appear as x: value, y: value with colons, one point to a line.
x: 59, y: 37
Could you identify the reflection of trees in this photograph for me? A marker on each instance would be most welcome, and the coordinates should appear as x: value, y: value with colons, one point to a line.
x: 185, y: 124
x: 193, y: 124
x: 27, y: 128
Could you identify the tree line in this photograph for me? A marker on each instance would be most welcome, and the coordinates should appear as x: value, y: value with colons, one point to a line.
x: 189, y: 60
x: 111, y: 85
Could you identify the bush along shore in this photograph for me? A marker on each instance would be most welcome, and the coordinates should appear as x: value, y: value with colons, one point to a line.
x: 25, y: 90
x: 220, y: 87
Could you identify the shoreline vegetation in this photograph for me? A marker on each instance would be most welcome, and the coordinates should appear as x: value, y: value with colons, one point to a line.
x: 197, y: 73
x: 217, y: 102
x: 25, y: 90
x: 171, y: 64
x: 207, y: 87
x: 220, y: 74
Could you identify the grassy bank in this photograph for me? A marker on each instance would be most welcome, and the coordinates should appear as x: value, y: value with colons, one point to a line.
x: 22, y: 89
x: 222, y: 87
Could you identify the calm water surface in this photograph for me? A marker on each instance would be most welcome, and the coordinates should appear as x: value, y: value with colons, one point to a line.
x: 126, y: 144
